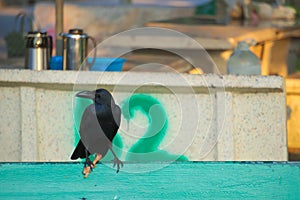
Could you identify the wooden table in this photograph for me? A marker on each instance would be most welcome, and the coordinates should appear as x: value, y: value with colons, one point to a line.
x: 272, y: 41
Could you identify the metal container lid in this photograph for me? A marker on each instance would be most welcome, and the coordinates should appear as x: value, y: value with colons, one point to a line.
x: 75, y: 34
x: 76, y: 31
x: 37, y: 34
x: 38, y: 39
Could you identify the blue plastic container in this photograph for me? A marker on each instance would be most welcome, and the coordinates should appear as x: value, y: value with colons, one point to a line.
x: 56, y: 63
x: 107, y: 64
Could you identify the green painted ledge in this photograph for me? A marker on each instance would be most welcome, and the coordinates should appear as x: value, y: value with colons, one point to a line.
x: 179, y: 180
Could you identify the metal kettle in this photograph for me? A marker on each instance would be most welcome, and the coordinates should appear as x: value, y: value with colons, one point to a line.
x: 38, y: 50
x: 75, y: 49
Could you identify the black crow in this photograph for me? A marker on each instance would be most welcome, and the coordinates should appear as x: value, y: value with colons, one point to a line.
x: 99, y: 125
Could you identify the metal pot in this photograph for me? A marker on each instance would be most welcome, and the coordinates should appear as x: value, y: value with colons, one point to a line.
x: 38, y: 50
x: 75, y: 49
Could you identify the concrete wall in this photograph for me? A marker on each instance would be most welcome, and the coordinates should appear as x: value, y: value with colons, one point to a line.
x: 193, y: 117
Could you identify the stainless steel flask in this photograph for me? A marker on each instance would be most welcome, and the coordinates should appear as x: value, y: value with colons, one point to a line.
x: 75, y: 49
x: 38, y: 50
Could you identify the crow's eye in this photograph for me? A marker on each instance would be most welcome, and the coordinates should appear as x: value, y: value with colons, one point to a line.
x: 98, y: 96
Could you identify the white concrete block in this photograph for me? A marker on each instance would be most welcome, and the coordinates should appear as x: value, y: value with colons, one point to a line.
x: 29, y: 119
x: 10, y: 128
x: 201, y: 117
x: 259, y: 121
x: 55, y: 127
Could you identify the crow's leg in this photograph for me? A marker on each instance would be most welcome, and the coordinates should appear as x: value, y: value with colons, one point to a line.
x: 97, y: 159
x: 116, y: 160
x: 88, y: 165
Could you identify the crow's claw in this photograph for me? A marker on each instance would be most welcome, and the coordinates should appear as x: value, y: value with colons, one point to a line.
x: 88, y: 167
x: 117, y: 163
x: 89, y: 163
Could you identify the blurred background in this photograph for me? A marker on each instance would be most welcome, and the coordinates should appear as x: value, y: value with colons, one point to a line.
x: 270, y: 27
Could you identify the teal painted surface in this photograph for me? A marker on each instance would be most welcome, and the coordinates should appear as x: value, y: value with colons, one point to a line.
x: 180, y: 180
x: 147, y: 147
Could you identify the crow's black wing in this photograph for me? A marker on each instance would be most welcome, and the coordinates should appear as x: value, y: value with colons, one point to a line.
x: 109, y: 119
x: 116, y: 110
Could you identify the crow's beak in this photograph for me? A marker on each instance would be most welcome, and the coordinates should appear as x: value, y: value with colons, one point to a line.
x: 86, y: 94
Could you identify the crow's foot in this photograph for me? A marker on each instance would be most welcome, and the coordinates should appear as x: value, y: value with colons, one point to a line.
x: 88, y: 167
x: 86, y: 171
x: 118, y: 163
x: 97, y: 159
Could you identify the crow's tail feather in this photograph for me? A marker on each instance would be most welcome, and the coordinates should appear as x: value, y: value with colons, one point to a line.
x: 79, y: 151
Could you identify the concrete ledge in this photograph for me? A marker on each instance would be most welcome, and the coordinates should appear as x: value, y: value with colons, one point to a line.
x: 208, y: 117
x: 67, y: 80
